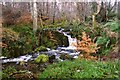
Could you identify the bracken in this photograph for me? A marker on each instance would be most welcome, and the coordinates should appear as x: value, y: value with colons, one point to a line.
x: 87, y: 46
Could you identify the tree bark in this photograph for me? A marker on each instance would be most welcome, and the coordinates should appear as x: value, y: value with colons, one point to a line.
x: 118, y: 12
x: 94, y: 15
x: 54, y: 11
x: 34, y: 15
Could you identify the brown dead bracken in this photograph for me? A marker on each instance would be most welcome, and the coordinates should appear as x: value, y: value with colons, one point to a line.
x: 87, y: 46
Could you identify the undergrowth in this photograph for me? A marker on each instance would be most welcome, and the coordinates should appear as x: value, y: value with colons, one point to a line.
x: 81, y: 69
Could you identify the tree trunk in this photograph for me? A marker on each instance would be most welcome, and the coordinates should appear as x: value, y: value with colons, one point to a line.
x: 47, y: 8
x: 54, y: 9
x: 94, y: 15
x: 118, y: 12
x: 34, y: 16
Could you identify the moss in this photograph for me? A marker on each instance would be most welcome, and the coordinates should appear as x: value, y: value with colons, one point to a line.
x: 42, y: 58
x: 41, y: 48
x: 52, y: 39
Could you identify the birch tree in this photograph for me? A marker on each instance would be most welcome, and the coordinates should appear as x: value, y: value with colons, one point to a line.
x: 95, y: 14
x: 34, y: 15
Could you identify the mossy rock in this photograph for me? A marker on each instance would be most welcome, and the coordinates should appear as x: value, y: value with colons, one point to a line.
x: 52, y: 39
x: 42, y: 58
x: 41, y: 48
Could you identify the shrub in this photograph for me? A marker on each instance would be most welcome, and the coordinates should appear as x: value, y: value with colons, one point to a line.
x: 41, y: 58
x: 25, y: 18
x: 81, y: 69
x: 9, y: 34
x: 20, y: 40
x: 9, y: 38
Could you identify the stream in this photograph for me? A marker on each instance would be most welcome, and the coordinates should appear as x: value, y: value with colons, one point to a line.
x: 70, y: 50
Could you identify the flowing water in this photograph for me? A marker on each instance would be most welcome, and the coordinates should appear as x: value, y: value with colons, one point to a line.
x: 70, y: 50
x: 72, y: 41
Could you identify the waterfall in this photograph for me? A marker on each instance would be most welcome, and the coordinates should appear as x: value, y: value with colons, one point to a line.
x: 72, y: 41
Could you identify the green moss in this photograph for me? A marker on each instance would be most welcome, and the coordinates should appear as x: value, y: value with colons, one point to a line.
x: 42, y: 58
x: 52, y: 38
x: 41, y: 48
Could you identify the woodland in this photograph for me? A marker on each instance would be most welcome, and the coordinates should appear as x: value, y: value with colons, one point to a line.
x: 60, y: 40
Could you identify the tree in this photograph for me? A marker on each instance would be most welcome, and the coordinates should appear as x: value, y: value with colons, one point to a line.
x: 102, y: 13
x: 34, y: 15
x: 95, y: 14
x: 118, y: 13
x: 81, y: 11
x: 54, y: 11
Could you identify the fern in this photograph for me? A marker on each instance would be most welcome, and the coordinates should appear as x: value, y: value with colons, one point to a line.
x: 101, y: 40
x: 113, y: 26
x: 86, y: 45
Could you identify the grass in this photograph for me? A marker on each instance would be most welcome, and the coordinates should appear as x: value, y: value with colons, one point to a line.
x: 81, y: 69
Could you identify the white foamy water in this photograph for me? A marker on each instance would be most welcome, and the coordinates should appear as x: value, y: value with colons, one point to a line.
x: 72, y: 41
x: 19, y: 59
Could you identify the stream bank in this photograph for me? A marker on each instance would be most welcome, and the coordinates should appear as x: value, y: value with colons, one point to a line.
x: 24, y: 65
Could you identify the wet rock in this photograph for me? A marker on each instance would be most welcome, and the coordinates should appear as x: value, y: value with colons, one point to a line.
x: 65, y: 56
x: 52, y: 58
